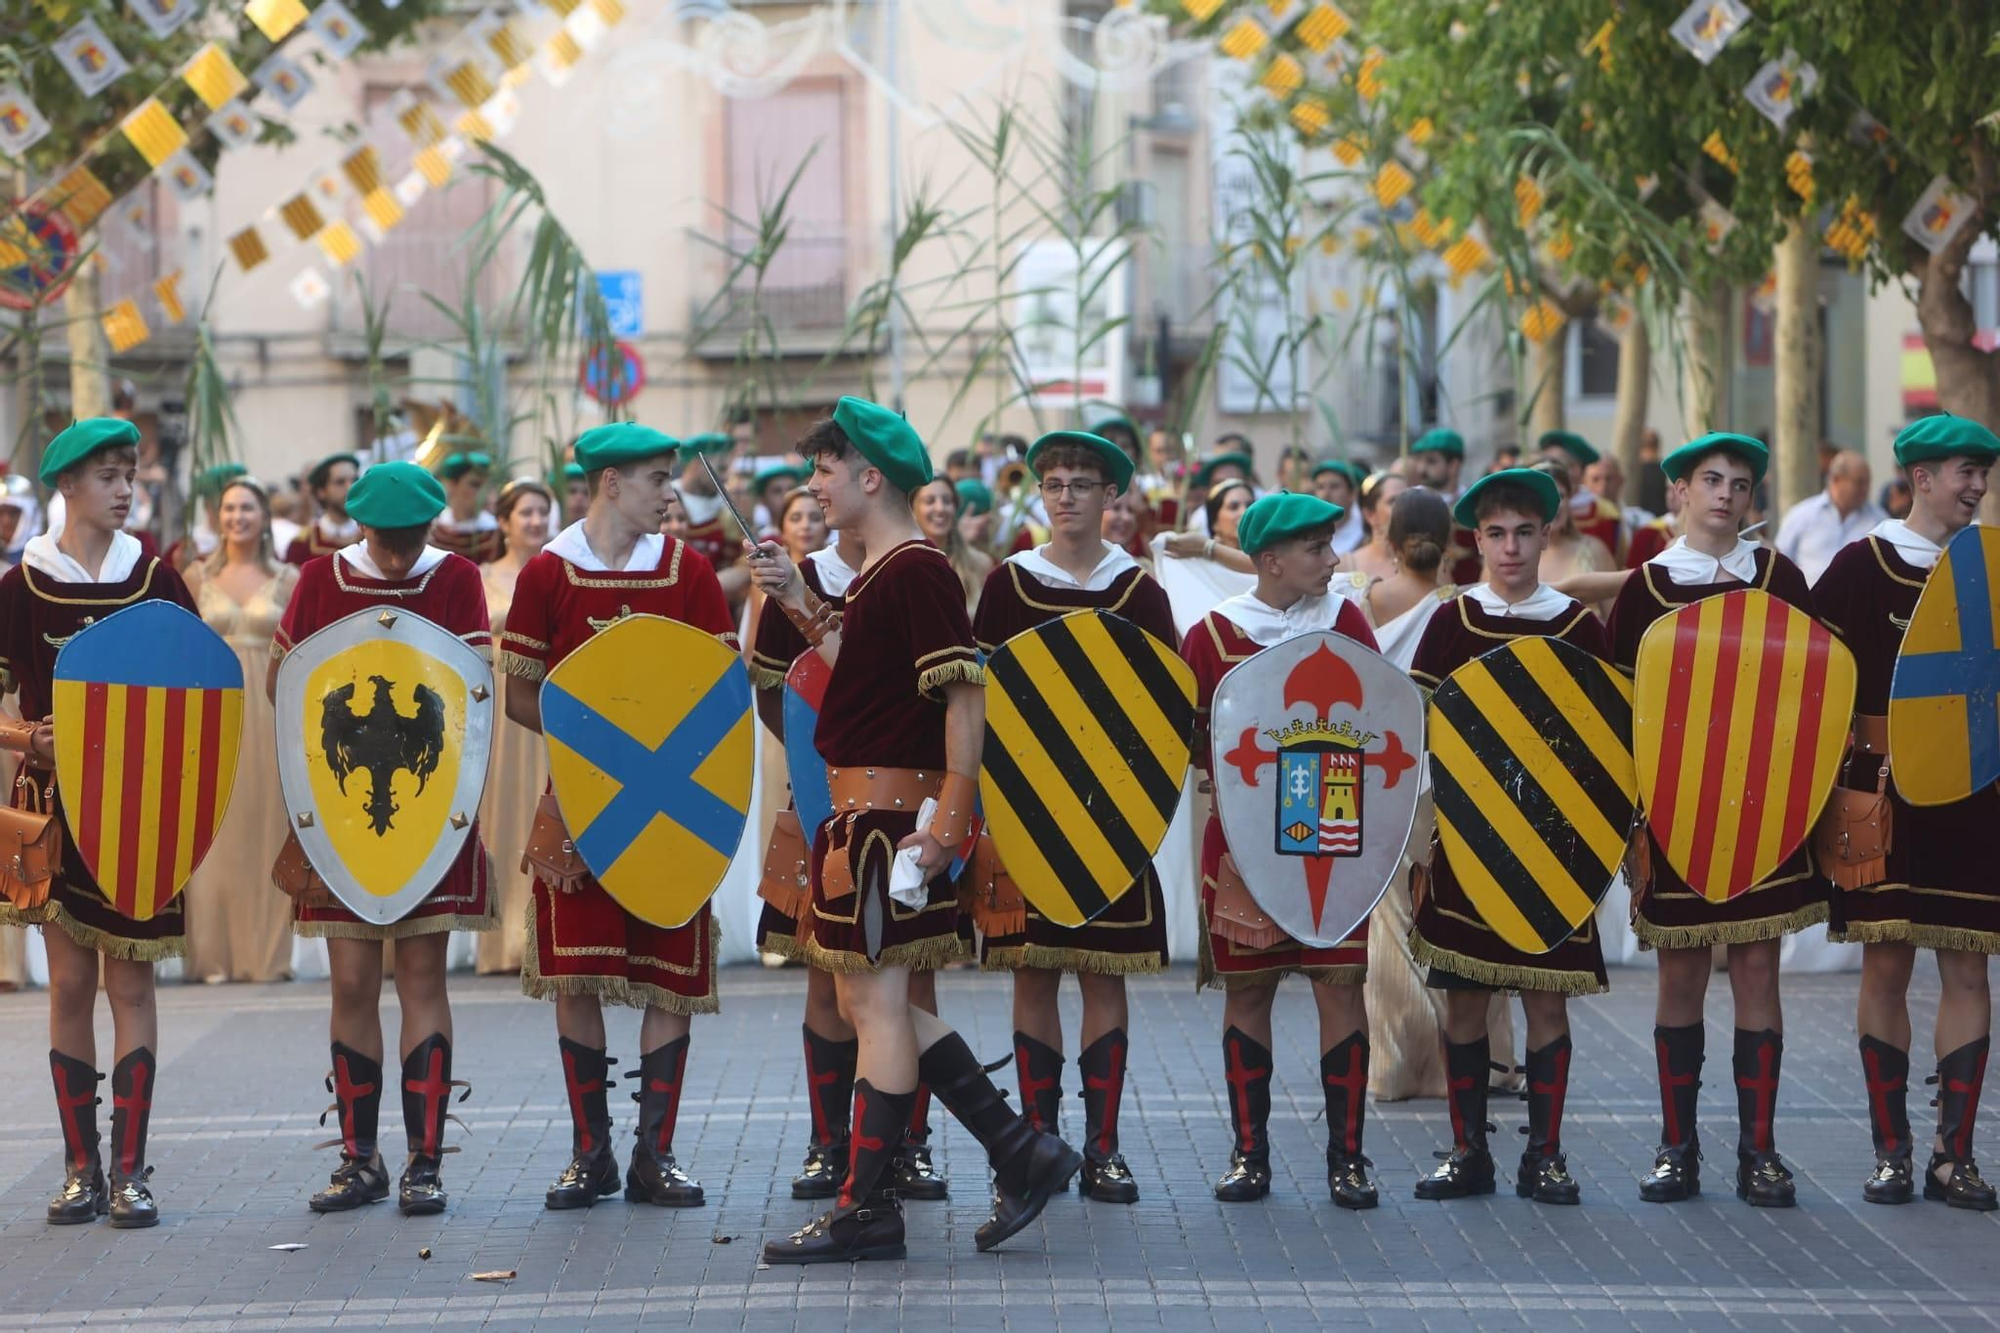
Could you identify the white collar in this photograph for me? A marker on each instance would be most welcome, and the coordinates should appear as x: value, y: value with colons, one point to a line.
x: 1266, y: 624
x: 1109, y: 566
x: 1544, y: 603
x: 1685, y: 565
x: 574, y: 547
x: 1919, y: 550
x: 362, y: 563
x: 701, y: 508
x: 483, y: 521
x: 834, y: 573
x: 346, y: 531
x: 42, y: 554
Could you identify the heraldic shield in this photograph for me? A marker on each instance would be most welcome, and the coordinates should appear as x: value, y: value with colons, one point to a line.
x: 384, y: 724
x: 1316, y: 746
x: 651, y: 750
x: 1740, y: 711
x: 150, y: 702
x: 1087, y: 726
x: 1944, y: 700
x: 1531, y: 768
x: 812, y: 791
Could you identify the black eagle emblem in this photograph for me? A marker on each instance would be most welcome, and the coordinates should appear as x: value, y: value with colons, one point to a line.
x: 381, y: 741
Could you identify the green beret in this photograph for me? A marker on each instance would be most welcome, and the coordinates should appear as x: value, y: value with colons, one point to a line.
x: 324, y: 468
x: 1539, y: 483
x: 1355, y: 476
x: 1751, y: 451
x: 791, y: 472
x: 1123, y: 423
x: 1569, y: 442
x: 1281, y: 516
x: 457, y: 465
x: 887, y: 440
x: 1440, y: 440
x: 395, y: 495
x: 210, y: 482
x: 81, y: 440
x: 1930, y: 439
x: 708, y: 442
x: 619, y: 443
x: 974, y: 496
x: 574, y: 472
x: 1206, y: 472
x: 1117, y: 463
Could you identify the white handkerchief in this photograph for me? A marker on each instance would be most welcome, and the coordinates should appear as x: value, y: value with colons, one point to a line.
x: 907, y: 884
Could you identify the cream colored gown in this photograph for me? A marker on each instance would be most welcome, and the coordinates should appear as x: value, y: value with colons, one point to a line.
x: 516, y: 776
x: 239, y: 926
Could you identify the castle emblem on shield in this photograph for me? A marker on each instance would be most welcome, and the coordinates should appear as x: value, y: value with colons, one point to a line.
x: 1320, y: 767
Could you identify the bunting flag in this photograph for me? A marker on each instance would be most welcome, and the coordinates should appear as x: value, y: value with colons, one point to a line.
x: 363, y: 169
x: 247, y: 248
x: 420, y: 123
x: 124, y: 326
x: 1311, y: 116
x: 1938, y: 214
x: 275, y: 18
x: 410, y: 189
x: 302, y: 216
x: 1706, y: 26
x: 80, y: 197
x: 1244, y: 39
x: 1799, y: 173
x: 152, y: 130
x: 337, y: 29
x: 1780, y: 85
x: 1852, y: 233
x: 435, y: 166
x: 610, y: 12
x: 284, y: 80
x: 189, y: 178
x: 1348, y: 150
x: 163, y: 18
x: 22, y: 124
x: 382, y: 208
x: 505, y: 39
x: 89, y: 58
x: 309, y: 288
x: 1599, y: 45
x: 1430, y: 231
x: 465, y: 81
x: 1368, y: 79
x: 559, y: 57
x: 234, y: 124
x: 167, y: 292
x: 1392, y: 183
x: 1322, y: 26
x: 338, y: 242
x: 1542, y: 321
x: 1714, y: 146
x: 1528, y: 200
x: 214, y: 77
x: 1198, y: 10
x: 1717, y: 223
x: 1464, y: 255
x: 135, y: 217
x: 1283, y: 76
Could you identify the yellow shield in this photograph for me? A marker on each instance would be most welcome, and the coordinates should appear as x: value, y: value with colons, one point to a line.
x: 651, y: 752
x: 384, y: 724
x: 1944, y: 700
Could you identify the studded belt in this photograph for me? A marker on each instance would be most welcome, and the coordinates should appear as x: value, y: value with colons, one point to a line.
x: 894, y: 789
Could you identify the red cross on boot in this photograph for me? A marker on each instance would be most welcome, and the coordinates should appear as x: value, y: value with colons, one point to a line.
x: 592, y: 1172
x: 1762, y: 1180
x: 865, y: 1222
x: 1961, y: 1075
x: 1104, y: 1177
x: 1468, y: 1168
x: 361, y: 1178
x: 1544, y: 1172
x: 1343, y: 1076
x: 1676, y: 1173
x: 1246, y: 1068
x: 829, y: 1098
x: 654, y: 1176
x: 1887, y: 1071
x: 914, y: 1174
x: 427, y: 1085
x: 132, y: 1205
x: 83, y: 1197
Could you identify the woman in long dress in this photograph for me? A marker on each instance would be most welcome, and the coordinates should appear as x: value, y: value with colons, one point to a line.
x: 238, y: 925
x: 519, y: 768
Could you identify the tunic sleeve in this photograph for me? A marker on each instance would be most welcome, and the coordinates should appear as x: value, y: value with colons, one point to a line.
x: 990, y: 627
x: 1198, y: 650
x: 1630, y: 616
x: 301, y: 616
x: 171, y: 587
x: 1788, y: 583
x: 1587, y: 632
x: 1149, y: 609
x: 1834, y: 596
x: 13, y: 628
x: 524, y: 649
x: 707, y: 608
x: 1354, y: 624
x: 1433, y: 660
x: 942, y: 650
x: 775, y: 647
x: 465, y: 605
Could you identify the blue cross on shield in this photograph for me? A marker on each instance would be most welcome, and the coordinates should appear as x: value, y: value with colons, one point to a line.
x: 1944, y: 699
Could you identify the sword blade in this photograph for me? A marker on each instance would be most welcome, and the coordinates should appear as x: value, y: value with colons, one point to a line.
x: 723, y: 491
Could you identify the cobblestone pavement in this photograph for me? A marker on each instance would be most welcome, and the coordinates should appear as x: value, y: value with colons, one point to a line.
x: 239, y: 1093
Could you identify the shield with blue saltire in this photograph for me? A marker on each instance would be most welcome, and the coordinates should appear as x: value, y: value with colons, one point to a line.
x: 1532, y: 773
x: 1087, y: 726
x: 1740, y: 711
x: 149, y: 715
x: 1944, y: 699
x: 805, y: 688
x: 652, y: 753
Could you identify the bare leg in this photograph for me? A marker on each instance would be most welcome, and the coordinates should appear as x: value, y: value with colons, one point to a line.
x: 1548, y: 1017
x: 1342, y: 1013
x: 1465, y: 1015
x: 1104, y: 1005
x: 1882, y: 1010
x: 1683, y: 987
x: 1753, y: 981
x: 420, y: 988
x: 72, y: 995
x: 1035, y: 993
x: 878, y: 1005
x: 581, y: 1019
x: 355, y: 971
x: 659, y: 1027
x: 1248, y: 1010
x: 823, y: 1014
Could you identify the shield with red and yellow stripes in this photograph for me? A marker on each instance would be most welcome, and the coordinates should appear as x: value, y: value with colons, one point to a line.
x: 1740, y: 712
x: 149, y: 713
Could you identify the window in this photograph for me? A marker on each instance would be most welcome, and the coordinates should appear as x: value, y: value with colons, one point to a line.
x: 1593, y: 361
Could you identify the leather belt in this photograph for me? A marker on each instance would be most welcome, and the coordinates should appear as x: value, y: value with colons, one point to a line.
x: 897, y: 789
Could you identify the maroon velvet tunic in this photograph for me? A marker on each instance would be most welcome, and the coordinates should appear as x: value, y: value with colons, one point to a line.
x: 716, y: 541
x: 1940, y: 890
x: 309, y: 544
x: 584, y: 942
x: 480, y: 546
x: 38, y: 615
x: 1212, y: 647
x: 1667, y: 914
x: 904, y: 637
x: 1130, y: 936
x: 1448, y: 933
x: 451, y: 596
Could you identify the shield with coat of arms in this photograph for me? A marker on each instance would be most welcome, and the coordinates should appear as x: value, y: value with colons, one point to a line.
x: 651, y: 753
x: 812, y: 792
x: 384, y: 724
x: 1316, y: 745
x: 1944, y: 699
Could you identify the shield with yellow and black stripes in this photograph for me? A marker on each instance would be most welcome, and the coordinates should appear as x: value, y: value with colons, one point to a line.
x: 1087, y: 726
x: 1535, y: 785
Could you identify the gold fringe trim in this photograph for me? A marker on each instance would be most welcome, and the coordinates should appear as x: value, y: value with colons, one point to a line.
x: 1653, y: 936
x: 103, y: 941
x: 526, y: 668
x: 1346, y: 975
x: 971, y: 673
x: 408, y: 928
x: 1954, y: 938
x: 782, y: 946
x: 619, y: 990
x: 918, y: 956
x: 1097, y: 962
x: 1502, y: 976
x: 764, y: 678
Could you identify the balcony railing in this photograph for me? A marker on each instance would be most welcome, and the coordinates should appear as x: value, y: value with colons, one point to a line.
x: 801, y: 295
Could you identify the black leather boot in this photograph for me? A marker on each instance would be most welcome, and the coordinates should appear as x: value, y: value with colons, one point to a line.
x: 132, y: 1080
x: 84, y: 1196
x: 1761, y: 1178
x: 912, y: 1174
x: 1246, y: 1069
x: 654, y: 1176
x: 1038, y: 1071
x: 1343, y: 1076
x: 829, y: 1098
x: 427, y: 1085
x: 1960, y: 1077
x: 1104, y: 1177
x: 865, y: 1222
x: 1887, y: 1070
x: 1029, y: 1166
x: 1544, y: 1174
x: 1676, y: 1173
x: 1468, y: 1168
x: 592, y: 1172
x: 361, y: 1178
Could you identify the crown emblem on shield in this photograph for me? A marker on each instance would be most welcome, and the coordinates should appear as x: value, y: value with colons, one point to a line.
x: 1319, y: 788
